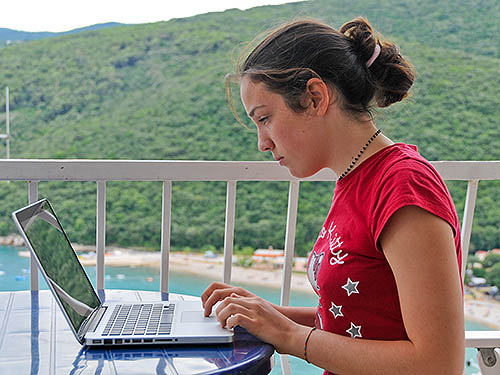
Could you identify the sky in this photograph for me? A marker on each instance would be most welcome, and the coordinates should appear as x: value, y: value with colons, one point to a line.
x: 64, y: 15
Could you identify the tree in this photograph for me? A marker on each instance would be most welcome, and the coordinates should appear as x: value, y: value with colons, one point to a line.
x: 478, y: 272
x: 491, y: 260
x: 493, y: 275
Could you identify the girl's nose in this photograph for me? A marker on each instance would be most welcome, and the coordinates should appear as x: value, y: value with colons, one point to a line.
x: 264, y: 143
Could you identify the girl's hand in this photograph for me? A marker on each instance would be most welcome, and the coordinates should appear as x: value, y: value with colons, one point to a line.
x: 217, y: 292
x: 261, y: 319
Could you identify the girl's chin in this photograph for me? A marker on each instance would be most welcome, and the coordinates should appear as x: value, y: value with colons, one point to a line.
x: 299, y: 174
x: 304, y: 172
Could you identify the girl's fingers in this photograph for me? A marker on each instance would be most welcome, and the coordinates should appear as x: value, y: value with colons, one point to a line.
x: 211, y: 288
x: 219, y: 291
x: 215, y: 297
x: 239, y: 320
x: 230, y: 310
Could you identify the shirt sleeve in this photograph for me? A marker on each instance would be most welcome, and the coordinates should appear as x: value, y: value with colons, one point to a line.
x: 411, y: 182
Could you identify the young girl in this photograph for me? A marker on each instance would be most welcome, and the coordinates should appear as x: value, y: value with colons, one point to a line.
x: 386, y: 264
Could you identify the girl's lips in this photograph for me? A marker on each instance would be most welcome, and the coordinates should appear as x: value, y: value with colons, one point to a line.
x: 280, y: 160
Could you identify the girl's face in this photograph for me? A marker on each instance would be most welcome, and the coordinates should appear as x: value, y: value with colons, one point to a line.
x: 296, y: 140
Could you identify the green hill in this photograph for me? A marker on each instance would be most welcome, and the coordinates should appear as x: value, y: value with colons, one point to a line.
x: 155, y: 91
x: 9, y: 36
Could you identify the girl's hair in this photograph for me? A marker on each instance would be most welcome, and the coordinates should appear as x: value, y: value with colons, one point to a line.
x: 296, y: 52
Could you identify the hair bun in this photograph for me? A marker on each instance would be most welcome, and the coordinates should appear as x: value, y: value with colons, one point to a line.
x: 390, y: 73
x: 362, y: 37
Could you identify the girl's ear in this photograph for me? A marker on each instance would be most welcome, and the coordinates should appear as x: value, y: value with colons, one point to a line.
x: 317, y: 96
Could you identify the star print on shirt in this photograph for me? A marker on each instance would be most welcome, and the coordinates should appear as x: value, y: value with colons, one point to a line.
x: 336, y: 310
x: 351, y: 287
x: 354, y: 331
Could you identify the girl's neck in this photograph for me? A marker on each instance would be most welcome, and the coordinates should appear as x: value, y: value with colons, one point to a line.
x: 357, y: 136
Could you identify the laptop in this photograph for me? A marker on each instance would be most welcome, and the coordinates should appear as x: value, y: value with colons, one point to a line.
x: 94, y: 322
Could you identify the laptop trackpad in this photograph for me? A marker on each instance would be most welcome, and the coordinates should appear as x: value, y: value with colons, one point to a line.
x: 196, y: 317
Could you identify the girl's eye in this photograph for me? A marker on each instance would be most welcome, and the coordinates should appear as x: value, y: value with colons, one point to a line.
x: 263, y: 120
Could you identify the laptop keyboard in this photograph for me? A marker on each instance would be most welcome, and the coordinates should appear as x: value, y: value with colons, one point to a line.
x: 140, y: 319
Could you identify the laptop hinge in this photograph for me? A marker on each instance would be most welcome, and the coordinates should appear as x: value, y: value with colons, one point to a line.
x: 91, y: 322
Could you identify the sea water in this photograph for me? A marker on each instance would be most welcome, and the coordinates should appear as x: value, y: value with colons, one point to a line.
x: 14, y: 275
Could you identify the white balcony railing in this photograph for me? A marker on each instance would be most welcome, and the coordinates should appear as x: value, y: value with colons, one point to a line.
x: 102, y: 171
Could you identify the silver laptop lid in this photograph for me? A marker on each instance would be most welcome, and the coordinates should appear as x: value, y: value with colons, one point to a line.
x: 58, y: 262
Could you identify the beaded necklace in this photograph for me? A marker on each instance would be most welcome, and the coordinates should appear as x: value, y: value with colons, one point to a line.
x: 355, y: 160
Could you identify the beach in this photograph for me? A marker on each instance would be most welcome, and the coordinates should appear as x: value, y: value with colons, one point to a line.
x: 210, y: 267
x: 196, y: 264
x: 478, y: 307
x: 482, y: 309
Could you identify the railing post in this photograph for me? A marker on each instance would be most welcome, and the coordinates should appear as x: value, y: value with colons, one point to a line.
x: 100, y: 232
x: 33, y: 197
x: 7, y: 124
x: 229, y: 231
x: 470, y: 204
x: 291, y: 224
x: 165, y: 234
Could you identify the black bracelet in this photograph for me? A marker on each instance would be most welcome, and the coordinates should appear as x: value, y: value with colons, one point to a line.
x: 305, y: 344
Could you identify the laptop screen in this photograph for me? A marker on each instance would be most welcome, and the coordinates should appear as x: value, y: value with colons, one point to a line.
x: 55, y: 255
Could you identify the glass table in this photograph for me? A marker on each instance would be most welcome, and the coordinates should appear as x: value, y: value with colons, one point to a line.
x: 36, y: 339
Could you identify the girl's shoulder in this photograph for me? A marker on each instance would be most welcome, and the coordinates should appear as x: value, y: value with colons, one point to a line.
x: 388, y: 162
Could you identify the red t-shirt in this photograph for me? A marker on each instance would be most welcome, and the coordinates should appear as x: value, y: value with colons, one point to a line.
x: 347, y: 268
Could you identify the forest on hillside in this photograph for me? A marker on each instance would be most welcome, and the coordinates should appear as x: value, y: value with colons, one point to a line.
x: 156, y: 92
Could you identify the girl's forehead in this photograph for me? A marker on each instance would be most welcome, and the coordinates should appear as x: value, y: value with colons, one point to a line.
x: 251, y: 94
x: 256, y: 94
x: 248, y: 88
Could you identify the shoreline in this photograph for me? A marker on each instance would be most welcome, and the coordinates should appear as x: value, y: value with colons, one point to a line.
x: 195, y: 264
x: 482, y: 309
x: 210, y: 267
x: 478, y: 308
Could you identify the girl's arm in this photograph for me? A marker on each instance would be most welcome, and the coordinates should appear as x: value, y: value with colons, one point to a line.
x: 420, y: 250
x: 301, y: 315
x: 218, y: 291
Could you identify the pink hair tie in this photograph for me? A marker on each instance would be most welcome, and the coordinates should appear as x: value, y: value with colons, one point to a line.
x: 376, y: 52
